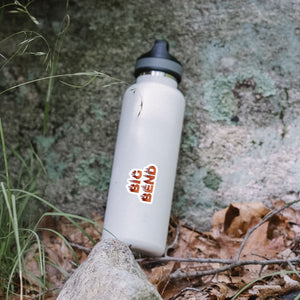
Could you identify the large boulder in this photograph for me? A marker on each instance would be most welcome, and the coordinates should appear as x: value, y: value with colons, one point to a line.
x: 241, y: 139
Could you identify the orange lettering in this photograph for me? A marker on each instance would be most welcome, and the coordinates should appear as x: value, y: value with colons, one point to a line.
x: 148, y: 188
x: 151, y: 170
x: 137, y: 174
x: 135, y: 181
x: 142, y: 182
x: 150, y: 179
x: 134, y: 188
x: 146, y: 197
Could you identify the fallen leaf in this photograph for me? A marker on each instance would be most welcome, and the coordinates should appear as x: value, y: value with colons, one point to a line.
x: 277, y: 238
x: 159, y: 276
x: 262, y: 292
x: 238, y: 218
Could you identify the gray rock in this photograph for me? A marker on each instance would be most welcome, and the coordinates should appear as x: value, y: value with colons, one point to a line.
x: 241, y: 81
x: 109, y: 273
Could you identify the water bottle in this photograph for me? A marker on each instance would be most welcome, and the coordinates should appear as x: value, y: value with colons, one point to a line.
x: 146, y: 154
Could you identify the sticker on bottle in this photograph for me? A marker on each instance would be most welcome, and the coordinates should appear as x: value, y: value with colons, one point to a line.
x: 141, y: 182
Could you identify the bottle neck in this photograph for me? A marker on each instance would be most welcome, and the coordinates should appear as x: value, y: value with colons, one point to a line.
x: 158, y: 76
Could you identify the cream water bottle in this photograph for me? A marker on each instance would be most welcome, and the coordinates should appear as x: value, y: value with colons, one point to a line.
x: 146, y: 153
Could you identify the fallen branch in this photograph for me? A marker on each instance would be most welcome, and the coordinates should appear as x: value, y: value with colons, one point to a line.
x: 230, y: 264
x: 186, y: 259
x: 178, y: 274
x: 222, y: 261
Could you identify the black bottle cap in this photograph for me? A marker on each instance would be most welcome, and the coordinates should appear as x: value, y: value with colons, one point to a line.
x: 159, y: 59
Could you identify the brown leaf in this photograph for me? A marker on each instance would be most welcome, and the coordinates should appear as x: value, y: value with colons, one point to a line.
x: 159, y: 276
x: 231, y: 213
x: 262, y: 292
x: 31, y: 266
x: 72, y: 233
x: 219, y: 290
x: 290, y: 213
x: 276, y: 238
x: 238, y: 218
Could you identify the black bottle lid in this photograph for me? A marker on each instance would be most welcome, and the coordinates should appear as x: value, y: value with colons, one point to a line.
x: 159, y: 59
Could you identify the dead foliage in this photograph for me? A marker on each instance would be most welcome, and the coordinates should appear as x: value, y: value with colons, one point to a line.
x: 197, y: 265
x: 270, y: 248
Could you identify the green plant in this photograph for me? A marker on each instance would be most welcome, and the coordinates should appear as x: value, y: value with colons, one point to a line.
x: 18, y: 7
x: 13, y: 216
x: 19, y: 195
x: 51, y: 56
x: 28, y: 35
x: 17, y: 234
x: 55, y: 59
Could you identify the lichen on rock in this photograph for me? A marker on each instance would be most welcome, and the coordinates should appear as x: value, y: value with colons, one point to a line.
x: 220, y: 99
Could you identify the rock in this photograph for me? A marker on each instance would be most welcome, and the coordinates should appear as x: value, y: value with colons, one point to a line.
x: 110, y: 272
x: 241, y: 64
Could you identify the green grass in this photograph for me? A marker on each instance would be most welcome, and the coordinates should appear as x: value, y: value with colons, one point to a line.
x: 55, y: 59
x: 18, y: 234
x: 19, y: 194
x: 19, y: 8
x: 14, y: 208
x: 51, y: 55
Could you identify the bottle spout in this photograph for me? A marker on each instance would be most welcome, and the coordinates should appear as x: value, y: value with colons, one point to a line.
x: 159, y: 59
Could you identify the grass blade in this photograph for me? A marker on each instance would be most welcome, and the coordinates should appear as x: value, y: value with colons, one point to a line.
x: 56, y: 54
x: 4, y: 157
x: 17, y: 238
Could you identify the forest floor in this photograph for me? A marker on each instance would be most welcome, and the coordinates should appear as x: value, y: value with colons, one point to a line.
x: 251, y: 252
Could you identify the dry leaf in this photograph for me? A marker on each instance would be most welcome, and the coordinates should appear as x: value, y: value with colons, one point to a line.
x: 159, y: 276
x: 276, y: 238
x: 230, y: 226
x: 238, y: 218
x: 262, y: 292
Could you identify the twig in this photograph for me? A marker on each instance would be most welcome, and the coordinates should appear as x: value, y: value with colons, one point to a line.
x: 175, y: 240
x: 293, y: 268
x: 265, y: 219
x: 260, y: 256
x: 180, y: 275
x: 261, y: 267
x: 187, y: 259
x: 88, y: 250
x: 230, y: 264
